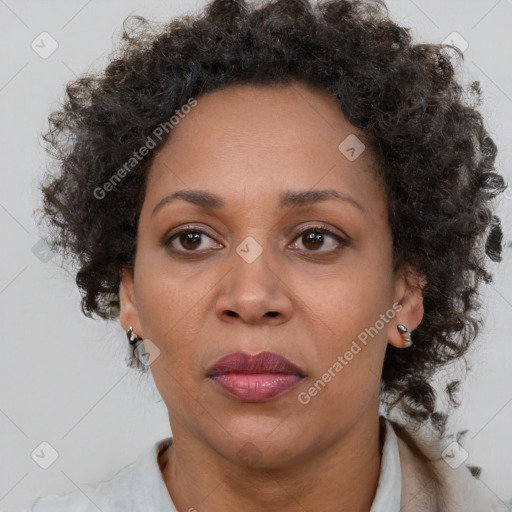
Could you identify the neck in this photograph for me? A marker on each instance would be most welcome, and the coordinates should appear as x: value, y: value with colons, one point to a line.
x: 343, y: 476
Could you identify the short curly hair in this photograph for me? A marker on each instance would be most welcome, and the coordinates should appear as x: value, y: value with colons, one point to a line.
x: 434, y: 155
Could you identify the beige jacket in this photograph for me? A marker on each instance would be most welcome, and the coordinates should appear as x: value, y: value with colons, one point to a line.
x: 453, y: 490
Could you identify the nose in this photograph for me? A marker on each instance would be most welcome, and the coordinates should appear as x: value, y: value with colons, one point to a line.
x: 254, y: 293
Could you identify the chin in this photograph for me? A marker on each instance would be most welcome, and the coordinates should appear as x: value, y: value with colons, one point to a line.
x: 261, y: 446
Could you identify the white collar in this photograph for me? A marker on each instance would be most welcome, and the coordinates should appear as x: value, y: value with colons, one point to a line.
x: 140, y: 486
x: 389, y: 488
x: 387, y: 497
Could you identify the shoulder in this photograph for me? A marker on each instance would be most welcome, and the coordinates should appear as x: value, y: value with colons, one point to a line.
x: 435, y: 477
x: 137, y: 484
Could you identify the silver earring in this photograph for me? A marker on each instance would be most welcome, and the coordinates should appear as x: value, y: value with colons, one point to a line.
x: 132, y: 337
x: 403, y: 330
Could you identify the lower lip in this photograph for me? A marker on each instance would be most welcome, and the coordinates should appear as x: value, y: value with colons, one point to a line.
x: 255, y: 387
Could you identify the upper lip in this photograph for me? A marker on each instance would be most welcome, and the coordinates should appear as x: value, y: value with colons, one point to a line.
x: 264, y: 362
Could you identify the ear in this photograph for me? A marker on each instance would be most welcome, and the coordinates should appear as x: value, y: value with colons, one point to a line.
x: 409, y: 284
x: 128, y: 315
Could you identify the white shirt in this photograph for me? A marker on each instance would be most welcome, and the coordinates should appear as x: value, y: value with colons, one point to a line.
x: 139, y: 487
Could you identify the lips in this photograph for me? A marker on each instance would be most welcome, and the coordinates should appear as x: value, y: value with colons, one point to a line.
x: 264, y: 362
x: 254, y: 378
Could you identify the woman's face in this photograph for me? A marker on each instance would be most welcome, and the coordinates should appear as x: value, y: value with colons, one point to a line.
x: 251, y: 282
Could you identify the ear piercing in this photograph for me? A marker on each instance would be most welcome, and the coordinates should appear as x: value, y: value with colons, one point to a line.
x: 132, y: 337
x: 403, y: 330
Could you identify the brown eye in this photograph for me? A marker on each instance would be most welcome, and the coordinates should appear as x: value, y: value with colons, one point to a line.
x: 188, y: 240
x: 314, y: 239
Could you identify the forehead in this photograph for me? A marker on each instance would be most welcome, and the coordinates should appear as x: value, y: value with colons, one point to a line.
x: 264, y: 138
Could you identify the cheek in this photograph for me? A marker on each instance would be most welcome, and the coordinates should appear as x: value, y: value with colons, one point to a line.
x: 349, y: 301
x: 351, y: 337
x: 165, y: 297
x: 348, y: 361
x: 168, y: 318
x: 354, y: 344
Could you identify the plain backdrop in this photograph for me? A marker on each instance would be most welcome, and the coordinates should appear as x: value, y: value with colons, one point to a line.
x: 64, y: 377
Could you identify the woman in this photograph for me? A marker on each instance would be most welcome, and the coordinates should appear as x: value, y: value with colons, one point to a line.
x: 293, y: 207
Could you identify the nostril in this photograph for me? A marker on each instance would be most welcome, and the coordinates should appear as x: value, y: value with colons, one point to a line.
x: 272, y: 313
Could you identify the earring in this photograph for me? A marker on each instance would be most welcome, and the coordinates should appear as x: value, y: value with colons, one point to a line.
x: 132, y: 337
x: 403, y: 330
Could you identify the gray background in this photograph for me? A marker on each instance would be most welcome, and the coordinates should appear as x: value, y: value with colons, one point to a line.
x: 64, y: 379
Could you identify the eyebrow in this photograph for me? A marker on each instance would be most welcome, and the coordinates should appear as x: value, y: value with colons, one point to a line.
x: 289, y: 199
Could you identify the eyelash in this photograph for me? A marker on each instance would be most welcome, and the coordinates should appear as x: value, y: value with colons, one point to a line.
x: 166, y: 242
